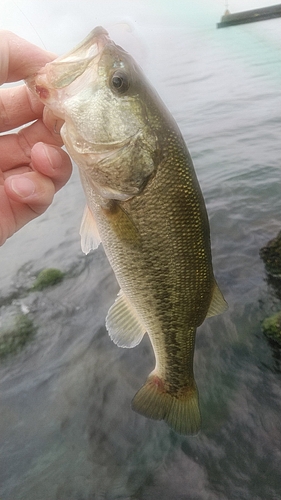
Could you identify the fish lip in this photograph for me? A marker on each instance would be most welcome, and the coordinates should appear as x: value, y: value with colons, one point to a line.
x: 103, y: 148
x: 64, y: 70
x: 97, y: 36
x: 78, y: 59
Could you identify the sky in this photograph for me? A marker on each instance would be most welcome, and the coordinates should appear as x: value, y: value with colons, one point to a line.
x: 139, y: 26
x: 56, y: 25
x: 136, y: 25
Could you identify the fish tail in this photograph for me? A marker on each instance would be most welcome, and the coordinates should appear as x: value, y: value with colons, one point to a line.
x: 180, y: 411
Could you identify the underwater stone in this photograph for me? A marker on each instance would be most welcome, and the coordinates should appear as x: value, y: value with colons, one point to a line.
x: 14, y: 336
x: 48, y: 277
x: 271, y: 255
x: 272, y: 327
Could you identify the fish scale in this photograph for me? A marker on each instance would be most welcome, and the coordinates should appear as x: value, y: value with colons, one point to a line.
x: 145, y: 204
x: 166, y: 294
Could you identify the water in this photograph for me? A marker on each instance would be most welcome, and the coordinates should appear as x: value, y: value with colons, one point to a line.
x: 66, y: 428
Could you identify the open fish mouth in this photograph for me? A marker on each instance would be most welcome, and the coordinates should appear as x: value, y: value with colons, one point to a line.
x: 70, y: 70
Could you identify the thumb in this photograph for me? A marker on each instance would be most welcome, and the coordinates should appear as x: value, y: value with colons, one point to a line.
x: 32, y: 189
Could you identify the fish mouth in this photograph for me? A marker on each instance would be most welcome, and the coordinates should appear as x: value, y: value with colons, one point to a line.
x: 65, y: 70
x: 103, y: 149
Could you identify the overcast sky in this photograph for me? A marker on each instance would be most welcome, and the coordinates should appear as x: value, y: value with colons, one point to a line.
x: 57, y: 24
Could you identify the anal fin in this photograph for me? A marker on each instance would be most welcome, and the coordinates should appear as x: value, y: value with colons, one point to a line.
x: 218, y: 304
x: 123, y: 324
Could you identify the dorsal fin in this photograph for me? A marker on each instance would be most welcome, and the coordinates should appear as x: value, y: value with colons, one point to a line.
x: 90, y: 238
x: 123, y: 324
x: 218, y: 304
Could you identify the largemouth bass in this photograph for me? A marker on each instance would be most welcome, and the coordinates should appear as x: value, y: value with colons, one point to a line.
x: 145, y: 204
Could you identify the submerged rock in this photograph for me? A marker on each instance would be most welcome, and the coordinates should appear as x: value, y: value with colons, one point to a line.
x: 271, y: 255
x: 272, y: 327
x: 15, y: 333
x: 48, y: 277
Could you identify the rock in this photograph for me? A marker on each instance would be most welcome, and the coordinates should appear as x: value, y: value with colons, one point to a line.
x: 271, y: 255
x: 272, y: 327
x: 48, y: 277
x: 16, y: 331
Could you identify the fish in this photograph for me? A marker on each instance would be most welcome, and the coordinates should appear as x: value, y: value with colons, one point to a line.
x: 145, y: 205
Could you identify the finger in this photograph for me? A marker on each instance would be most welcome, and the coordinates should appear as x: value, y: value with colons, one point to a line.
x: 32, y: 192
x: 51, y: 121
x: 52, y: 162
x: 15, y: 171
x: 19, y: 58
x: 13, y: 152
x: 26, y: 197
x: 29, y: 194
x: 17, y: 107
x: 16, y: 148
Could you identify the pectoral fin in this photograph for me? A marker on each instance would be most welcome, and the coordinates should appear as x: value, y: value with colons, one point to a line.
x: 123, y: 225
x: 218, y: 304
x: 123, y: 324
x: 90, y: 238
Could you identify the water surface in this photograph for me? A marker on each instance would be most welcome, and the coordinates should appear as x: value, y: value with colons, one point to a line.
x: 66, y: 428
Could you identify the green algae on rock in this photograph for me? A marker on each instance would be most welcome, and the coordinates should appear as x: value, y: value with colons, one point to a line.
x: 272, y: 327
x: 271, y: 255
x: 14, y: 336
x: 48, y: 277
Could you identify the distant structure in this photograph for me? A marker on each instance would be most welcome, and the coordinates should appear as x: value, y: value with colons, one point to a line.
x: 249, y: 16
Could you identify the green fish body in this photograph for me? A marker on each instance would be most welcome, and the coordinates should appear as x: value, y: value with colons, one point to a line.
x: 145, y: 204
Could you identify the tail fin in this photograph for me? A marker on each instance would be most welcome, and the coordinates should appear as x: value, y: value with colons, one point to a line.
x: 181, y: 413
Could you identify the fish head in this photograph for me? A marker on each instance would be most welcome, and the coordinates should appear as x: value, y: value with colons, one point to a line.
x: 100, y: 93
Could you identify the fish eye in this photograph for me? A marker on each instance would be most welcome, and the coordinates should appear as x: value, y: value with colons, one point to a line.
x: 120, y: 82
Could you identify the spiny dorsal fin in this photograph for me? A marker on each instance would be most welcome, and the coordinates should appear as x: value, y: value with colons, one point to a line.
x: 218, y: 304
x: 90, y: 238
x: 122, y: 323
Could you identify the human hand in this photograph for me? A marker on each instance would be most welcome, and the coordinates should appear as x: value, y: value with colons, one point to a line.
x: 32, y: 164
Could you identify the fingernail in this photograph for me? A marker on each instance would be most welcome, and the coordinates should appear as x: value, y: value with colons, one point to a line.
x: 52, y: 155
x: 23, y: 186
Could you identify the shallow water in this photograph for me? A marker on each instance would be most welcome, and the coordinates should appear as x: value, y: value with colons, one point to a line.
x: 66, y: 428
